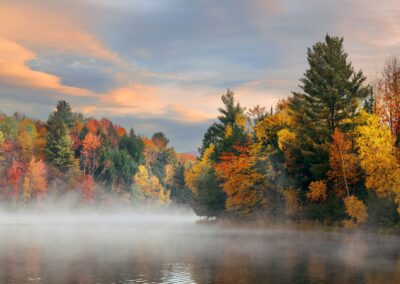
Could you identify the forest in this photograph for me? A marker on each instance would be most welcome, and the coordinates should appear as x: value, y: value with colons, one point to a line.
x: 94, y: 159
x: 329, y: 153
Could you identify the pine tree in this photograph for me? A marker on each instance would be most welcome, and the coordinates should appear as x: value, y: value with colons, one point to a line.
x: 58, y: 144
x: 134, y: 145
x: 180, y: 193
x: 64, y: 112
x: 229, y: 130
x: 331, y: 96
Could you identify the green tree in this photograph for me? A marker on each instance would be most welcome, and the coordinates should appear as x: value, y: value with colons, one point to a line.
x: 64, y: 113
x: 230, y: 128
x: 9, y: 127
x: 180, y: 192
x: 134, y: 145
x: 331, y: 96
x: 58, y: 144
x: 208, y: 197
x: 116, y: 167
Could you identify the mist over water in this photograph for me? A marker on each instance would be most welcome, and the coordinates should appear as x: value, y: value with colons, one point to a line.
x: 168, y: 246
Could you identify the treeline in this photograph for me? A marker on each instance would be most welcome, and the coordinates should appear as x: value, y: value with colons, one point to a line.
x: 329, y: 153
x: 95, y: 159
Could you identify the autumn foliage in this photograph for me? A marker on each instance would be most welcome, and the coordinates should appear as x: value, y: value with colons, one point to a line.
x: 35, y: 180
x: 344, y: 170
x: 328, y: 153
x: 318, y: 191
x: 240, y: 179
x: 356, y: 210
x: 92, y: 158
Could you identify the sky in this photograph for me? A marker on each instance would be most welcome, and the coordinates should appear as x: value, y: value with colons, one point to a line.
x: 162, y: 65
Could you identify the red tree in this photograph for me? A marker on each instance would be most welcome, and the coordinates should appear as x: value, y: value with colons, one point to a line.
x: 14, y: 175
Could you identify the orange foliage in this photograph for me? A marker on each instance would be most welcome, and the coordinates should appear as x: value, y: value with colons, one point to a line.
x: 356, y: 210
x: 120, y: 130
x: 183, y: 157
x: 240, y: 179
x: 344, y: 165
x: 40, y: 143
x: 91, y: 145
x: 317, y: 191
x: 92, y: 125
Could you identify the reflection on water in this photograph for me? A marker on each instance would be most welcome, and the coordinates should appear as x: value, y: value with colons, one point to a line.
x: 182, y: 252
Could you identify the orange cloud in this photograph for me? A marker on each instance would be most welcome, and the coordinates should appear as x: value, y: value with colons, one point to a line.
x: 142, y: 100
x: 137, y: 98
x: 35, y: 26
x: 185, y: 113
x: 15, y: 72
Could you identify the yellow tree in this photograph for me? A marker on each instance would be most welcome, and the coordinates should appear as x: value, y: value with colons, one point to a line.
x: 35, y: 181
x: 275, y: 132
x: 169, y: 172
x: 375, y: 145
x: 267, y: 129
x: 356, y: 210
x: 27, y: 136
x: 199, y: 167
x: 149, y: 187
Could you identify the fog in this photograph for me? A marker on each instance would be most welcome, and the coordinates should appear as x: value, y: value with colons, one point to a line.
x: 120, y: 244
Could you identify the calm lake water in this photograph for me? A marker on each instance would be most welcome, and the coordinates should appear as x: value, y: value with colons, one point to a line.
x: 175, y: 250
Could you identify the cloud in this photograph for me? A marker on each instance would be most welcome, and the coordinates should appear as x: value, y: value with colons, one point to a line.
x: 145, y: 101
x: 165, y: 64
x: 15, y: 72
x: 40, y: 25
x: 137, y: 98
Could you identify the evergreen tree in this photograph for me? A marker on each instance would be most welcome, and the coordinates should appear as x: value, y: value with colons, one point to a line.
x: 134, y: 145
x: 64, y: 113
x: 58, y: 144
x: 160, y: 140
x: 229, y: 130
x: 180, y: 193
x: 116, y: 167
x: 208, y: 197
x: 331, y: 96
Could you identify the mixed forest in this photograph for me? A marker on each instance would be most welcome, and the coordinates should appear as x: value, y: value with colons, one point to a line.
x: 329, y: 153
x: 97, y: 161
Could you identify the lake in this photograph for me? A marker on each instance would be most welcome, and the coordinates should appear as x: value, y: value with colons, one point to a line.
x: 125, y: 248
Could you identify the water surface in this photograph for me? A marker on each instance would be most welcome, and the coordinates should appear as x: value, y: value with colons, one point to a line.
x: 165, y: 249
